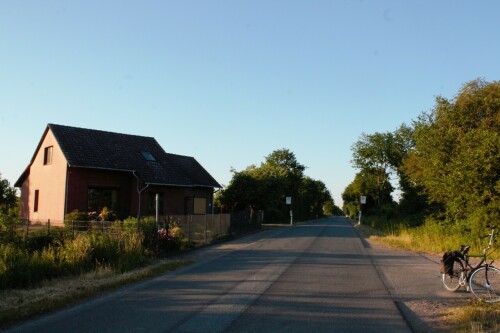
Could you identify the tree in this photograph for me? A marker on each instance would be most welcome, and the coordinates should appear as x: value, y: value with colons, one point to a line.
x: 312, y: 197
x: 376, y: 154
x: 366, y: 184
x: 265, y: 188
x: 8, y: 197
x: 283, y: 163
x: 456, y: 159
x: 330, y: 208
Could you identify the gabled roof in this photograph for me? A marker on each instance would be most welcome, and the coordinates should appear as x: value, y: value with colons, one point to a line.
x: 94, y: 149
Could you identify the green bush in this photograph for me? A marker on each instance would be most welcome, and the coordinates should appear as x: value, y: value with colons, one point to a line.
x: 13, y: 264
x: 78, y: 220
x: 132, y: 253
x: 8, y: 227
x: 41, y: 241
x: 148, y: 229
x: 19, y: 269
x: 46, y: 256
x: 76, y: 255
x: 105, y: 249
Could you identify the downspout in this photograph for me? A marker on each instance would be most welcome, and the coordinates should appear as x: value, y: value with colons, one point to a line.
x: 139, y: 192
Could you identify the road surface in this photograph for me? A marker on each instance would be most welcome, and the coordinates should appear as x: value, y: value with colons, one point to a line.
x: 317, y: 276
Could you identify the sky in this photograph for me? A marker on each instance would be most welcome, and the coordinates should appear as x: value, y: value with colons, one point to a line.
x: 229, y: 82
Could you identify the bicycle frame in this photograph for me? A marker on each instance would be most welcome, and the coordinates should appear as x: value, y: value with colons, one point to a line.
x: 468, y: 267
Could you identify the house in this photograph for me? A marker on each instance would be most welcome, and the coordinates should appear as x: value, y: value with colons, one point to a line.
x: 86, y: 170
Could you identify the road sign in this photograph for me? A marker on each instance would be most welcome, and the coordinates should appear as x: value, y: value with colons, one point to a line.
x: 363, y: 200
x: 288, y: 200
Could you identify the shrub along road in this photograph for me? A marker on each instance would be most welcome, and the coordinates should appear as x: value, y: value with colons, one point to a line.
x: 317, y: 276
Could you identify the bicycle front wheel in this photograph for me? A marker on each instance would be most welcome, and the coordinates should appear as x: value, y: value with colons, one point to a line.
x: 452, y: 281
x: 487, y: 290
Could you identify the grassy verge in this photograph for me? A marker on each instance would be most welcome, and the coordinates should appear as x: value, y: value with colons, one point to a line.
x: 20, y: 304
x: 472, y: 316
x: 476, y: 317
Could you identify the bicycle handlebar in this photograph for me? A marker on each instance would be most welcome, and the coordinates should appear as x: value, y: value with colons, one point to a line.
x: 491, y: 237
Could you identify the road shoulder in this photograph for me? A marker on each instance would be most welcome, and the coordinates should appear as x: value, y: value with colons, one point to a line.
x: 414, y: 281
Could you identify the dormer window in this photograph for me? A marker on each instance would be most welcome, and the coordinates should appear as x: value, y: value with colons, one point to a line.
x: 148, y: 156
x: 47, y: 155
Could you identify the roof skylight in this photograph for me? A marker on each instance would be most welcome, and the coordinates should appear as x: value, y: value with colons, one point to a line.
x: 148, y: 156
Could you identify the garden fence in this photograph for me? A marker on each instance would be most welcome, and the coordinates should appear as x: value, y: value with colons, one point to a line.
x: 198, y: 229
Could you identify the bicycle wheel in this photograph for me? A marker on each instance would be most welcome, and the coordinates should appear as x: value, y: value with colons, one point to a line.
x: 452, y: 282
x: 486, y: 291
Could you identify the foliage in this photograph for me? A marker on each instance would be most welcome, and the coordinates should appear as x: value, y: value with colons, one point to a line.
x: 456, y: 159
x: 148, y: 230
x: 82, y: 219
x: 448, y: 163
x: 329, y: 208
x: 19, y: 268
x: 164, y: 238
x: 382, y: 155
x: 312, y: 197
x: 265, y: 188
x: 39, y: 241
x: 8, y: 225
x: 8, y: 197
x: 171, y: 237
x: 28, y: 266
x: 104, y: 215
x: 366, y: 184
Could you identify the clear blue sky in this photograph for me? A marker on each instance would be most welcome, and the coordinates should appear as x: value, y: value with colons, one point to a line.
x: 228, y: 82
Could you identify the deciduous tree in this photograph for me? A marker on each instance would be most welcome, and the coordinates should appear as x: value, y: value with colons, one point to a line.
x: 456, y: 159
x: 8, y: 197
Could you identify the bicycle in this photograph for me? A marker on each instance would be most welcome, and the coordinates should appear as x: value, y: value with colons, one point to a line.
x: 481, y: 279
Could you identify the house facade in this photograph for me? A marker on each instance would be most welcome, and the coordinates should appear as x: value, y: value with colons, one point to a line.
x: 86, y: 170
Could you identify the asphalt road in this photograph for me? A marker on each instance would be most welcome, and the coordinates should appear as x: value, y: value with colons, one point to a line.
x: 313, y: 277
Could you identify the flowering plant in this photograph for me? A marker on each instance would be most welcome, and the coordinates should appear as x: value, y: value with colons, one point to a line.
x: 104, y: 215
x: 167, y: 240
x: 166, y: 234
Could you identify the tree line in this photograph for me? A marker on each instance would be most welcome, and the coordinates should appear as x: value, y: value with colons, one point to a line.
x: 446, y: 164
x: 266, y: 187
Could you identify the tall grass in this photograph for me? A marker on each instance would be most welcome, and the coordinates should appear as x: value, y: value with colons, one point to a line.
x: 20, y: 269
x: 431, y: 236
x: 28, y: 262
x: 475, y: 317
x: 21, y: 266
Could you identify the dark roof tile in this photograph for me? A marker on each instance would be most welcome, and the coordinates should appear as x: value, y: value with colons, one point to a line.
x: 89, y: 148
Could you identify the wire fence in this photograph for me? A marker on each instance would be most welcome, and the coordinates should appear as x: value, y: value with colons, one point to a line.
x: 198, y: 230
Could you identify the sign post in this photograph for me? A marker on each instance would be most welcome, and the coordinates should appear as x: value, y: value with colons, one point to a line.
x: 362, y: 202
x: 288, y: 201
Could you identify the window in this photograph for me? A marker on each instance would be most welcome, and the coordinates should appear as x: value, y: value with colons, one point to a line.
x: 200, y: 206
x: 35, y: 205
x: 99, y: 197
x: 148, y: 156
x: 152, y: 203
x: 47, y: 155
